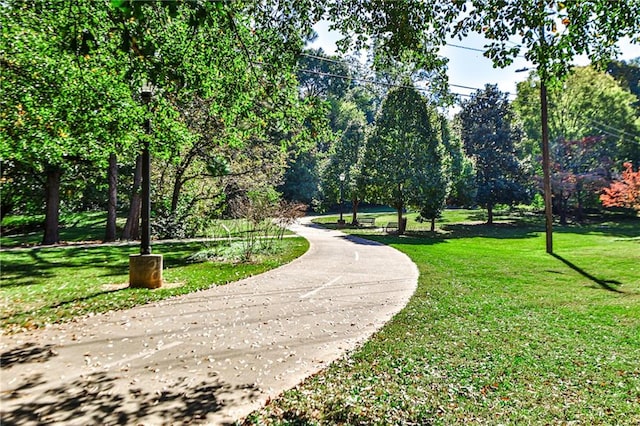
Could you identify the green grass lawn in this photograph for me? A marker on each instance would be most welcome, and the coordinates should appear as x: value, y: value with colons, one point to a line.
x: 26, y: 231
x: 46, y: 285
x: 498, y: 332
x: 74, y: 227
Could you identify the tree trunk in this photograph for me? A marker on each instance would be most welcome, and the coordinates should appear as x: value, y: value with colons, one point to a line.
x: 52, y: 205
x: 579, y: 210
x: 563, y: 211
x: 175, y: 196
x: 5, y: 208
x: 112, y: 202
x: 400, y: 207
x: 131, y: 229
x: 489, y: 214
x: 401, y: 222
x: 433, y: 224
x: 354, y: 206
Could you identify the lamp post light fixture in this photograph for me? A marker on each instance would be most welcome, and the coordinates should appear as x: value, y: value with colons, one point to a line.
x: 145, y: 269
x: 342, y: 177
x: 548, y: 207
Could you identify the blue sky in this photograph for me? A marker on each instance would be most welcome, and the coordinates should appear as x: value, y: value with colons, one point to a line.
x: 467, y: 67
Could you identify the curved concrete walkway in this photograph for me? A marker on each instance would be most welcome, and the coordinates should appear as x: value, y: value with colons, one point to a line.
x: 213, y: 356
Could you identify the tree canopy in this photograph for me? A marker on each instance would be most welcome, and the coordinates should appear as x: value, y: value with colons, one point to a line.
x: 404, y: 158
x: 589, y: 103
x: 72, y: 71
x: 490, y: 136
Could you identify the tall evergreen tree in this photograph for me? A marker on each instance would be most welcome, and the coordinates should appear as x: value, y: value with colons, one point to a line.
x: 404, y: 155
x: 489, y: 136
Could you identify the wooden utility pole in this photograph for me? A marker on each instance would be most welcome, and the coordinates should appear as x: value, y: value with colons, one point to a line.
x: 548, y: 207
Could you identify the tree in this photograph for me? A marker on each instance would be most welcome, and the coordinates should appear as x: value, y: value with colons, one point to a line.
x: 550, y: 33
x: 322, y: 75
x: 230, y: 54
x: 489, y: 136
x: 463, y: 188
x: 627, y: 73
x: 345, y: 157
x: 433, y: 202
x: 623, y: 192
x: 306, y: 153
x: 589, y: 103
x: 404, y: 154
x: 324, y: 82
x: 578, y: 169
x: 62, y: 110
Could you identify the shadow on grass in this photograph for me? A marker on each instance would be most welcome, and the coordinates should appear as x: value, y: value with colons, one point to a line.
x: 623, y: 229
x: 37, y: 265
x: 30, y: 267
x: 97, y: 399
x: 512, y: 227
x: 73, y: 227
x: 606, y: 284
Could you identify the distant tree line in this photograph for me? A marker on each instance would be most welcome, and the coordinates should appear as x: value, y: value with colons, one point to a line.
x: 488, y: 155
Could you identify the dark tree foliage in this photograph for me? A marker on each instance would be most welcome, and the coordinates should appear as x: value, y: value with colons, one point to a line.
x: 489, y: 136
x: 301, y: 179
x: 463, y: 189
x: 627, y: 73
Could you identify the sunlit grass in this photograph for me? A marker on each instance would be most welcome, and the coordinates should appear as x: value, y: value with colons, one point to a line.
x: 498, y: 332
x: 45, y: 285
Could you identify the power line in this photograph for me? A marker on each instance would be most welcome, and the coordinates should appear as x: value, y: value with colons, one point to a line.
x: 615, y: 129
x: 345, y: 77
x: 460, y: 86
x: 381, y: 83
x: 475, y: 49
x: 603, y: 131
x: 465, y: 47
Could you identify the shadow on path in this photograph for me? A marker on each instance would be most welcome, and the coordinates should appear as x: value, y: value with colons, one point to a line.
x: 360, y: 240
x: 606, y: 284
x: 25, y: 354
x: 95, y: 399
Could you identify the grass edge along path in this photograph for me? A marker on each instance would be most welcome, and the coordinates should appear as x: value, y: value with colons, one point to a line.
x: 497, y: 332
x: 42, y: 286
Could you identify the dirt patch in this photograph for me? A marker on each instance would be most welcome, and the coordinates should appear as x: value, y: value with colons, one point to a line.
x: 122, y: 286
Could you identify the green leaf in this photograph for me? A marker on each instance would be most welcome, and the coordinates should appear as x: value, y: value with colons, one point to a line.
x: 122, y: 5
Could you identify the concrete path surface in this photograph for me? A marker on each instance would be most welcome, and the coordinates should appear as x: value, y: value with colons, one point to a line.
x: 209, y: 357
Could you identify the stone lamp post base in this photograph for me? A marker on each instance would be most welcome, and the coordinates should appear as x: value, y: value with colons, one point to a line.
x: 145, y: 270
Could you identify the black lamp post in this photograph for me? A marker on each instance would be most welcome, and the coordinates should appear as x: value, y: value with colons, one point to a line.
x: 145, y: 269
x: 145, y: 241
x: 342, y: 178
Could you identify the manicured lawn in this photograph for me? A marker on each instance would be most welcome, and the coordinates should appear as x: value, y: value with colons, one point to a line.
x: 45, y: 285
x: 26, y: 231
x: 498, y: 332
